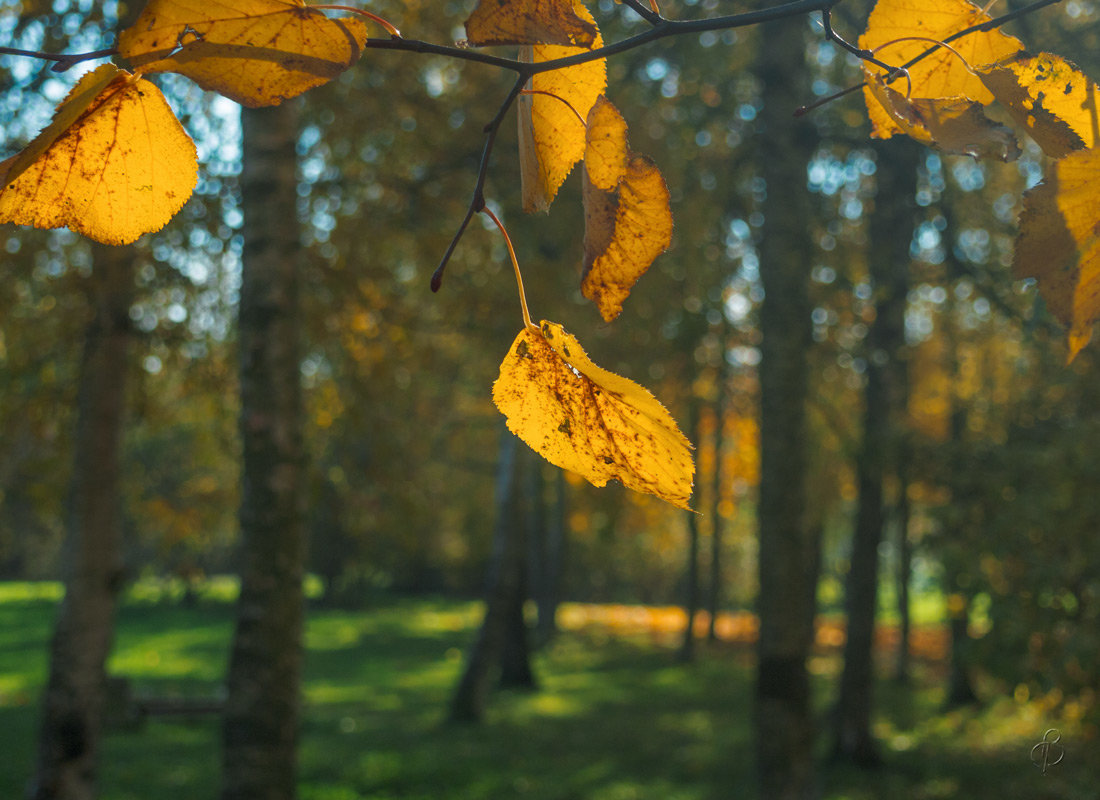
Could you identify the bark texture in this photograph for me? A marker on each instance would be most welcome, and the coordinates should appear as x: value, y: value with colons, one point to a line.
x: 788, y: 554
x: 73, y: 704
x: 260, y: 726
x: 891, y: 225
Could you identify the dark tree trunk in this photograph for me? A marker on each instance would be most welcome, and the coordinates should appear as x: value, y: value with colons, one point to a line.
x: 73, y: 704
x: 905, y: 563
x: 789, y: 546
x: 553, y: 553
x: 691, y: 578
x: 504, y: 592
x: 890, y: 224
x: 714, y: 585
x: 260, y: 726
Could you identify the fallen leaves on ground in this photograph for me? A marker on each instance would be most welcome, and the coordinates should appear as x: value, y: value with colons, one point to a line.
x: 943, y: 74
x: 1059, y: 243
x: 552, y: 118
x: 529, y: 22
x: 257, y: 52
x: 627, y: 214
x: 590, y: 421
x: 113, y: 164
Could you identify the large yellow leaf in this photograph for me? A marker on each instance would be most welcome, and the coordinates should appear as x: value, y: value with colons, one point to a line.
x: 627, y: 218
x: 257, y: 52
x: 1059, y: 243
x: 529, y: 22
x: 588, y: 420
x: 113, y: 164
x: 941, y: 74
x: 1056, y: 102
x: 551, y: 118
x: 953, y: 124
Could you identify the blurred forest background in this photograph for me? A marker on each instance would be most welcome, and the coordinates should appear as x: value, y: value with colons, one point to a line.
x: 988, y: 569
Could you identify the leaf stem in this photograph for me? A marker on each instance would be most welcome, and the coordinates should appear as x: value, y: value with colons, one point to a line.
x: 568, y: 105
x: 390, y: 28
x: 515, y: 265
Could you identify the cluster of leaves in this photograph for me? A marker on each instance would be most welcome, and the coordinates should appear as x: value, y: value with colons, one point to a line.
x: 115, y: 164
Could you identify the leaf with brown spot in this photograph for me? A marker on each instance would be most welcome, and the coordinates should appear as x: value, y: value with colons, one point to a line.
x: 627, y: 213
x: 953, y: 124
x: 942, y: 74
x: 588, y: 420
x: 529, y: 22
x: 1059, y: 243
x: 1050, y: 97
x: 114, y: 163
x: 551, y: 118
x: 257, y: 52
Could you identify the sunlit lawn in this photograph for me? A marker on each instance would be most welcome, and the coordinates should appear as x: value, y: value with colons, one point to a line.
x: 615, y: 716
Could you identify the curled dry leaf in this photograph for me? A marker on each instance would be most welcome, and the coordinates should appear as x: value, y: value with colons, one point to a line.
x: 551, y: 118
x: 588, y: 420
x: 529, y: 22
x: 952, y: 124
x: 114, y: 163
x: 257, y: 52
x: 627, y: 214
x: 1050, y: 97
x: 942, y: 74
x: 1059, y: 243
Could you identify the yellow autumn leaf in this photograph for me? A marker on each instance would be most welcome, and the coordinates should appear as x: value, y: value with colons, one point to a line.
x: 114, y: 163
x: 529, y: 22
x: 952, y: 124
x: 551, y: 118
x: 943, y: 74
x: 1050, y: 97
x: 588, y: 420
x: 1059, y: 243
x: 627, y: 214
x: 257, y: 52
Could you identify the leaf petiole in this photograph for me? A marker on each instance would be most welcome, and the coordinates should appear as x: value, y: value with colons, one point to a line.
x: 515, y: 265
x: 390, y: 28
x: 576, y: 113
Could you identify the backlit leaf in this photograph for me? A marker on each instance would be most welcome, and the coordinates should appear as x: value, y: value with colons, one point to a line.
x: 1056, y: 102
x: 257, y: 52
x: 1059, y: 243
x: 627, y: 218
x: 954, y: 124
x: 588, y: 420
x: 551, y: 119
x: 529, y: 22
x: 942, y: 74
x: 115, y: 163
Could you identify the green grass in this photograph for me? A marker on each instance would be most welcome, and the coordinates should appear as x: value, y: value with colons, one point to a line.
x: 612, y: 720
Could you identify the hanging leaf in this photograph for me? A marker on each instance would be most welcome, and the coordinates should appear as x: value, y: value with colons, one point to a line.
x: 954, y: 124
x: 943, y: 74
x: 588, y: 420
x: 114, y: 163
x: 627, y: 216
x: 1050, y: 97
x: 1059, y: 243
x: 529, y: 22
x: 551, y: 118
x: 257, y: 52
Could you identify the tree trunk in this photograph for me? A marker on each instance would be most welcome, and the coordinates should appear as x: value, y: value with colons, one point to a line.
x: 73, y: 705
x: 905, y: 563
x: 722, y: 407
x: 503, y: 586
x: 889, y: 250
x: 691, y: 579
x: 553, y: 552
x: 789, y: 546
x: 260, y: 726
